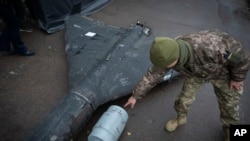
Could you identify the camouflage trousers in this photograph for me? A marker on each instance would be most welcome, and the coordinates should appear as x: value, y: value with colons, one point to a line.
x: 228, y: 99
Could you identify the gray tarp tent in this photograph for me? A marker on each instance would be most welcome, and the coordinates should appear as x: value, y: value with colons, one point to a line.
x: 51, y: 14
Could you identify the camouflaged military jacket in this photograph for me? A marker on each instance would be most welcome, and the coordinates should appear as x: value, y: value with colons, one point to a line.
x: 216, y: 55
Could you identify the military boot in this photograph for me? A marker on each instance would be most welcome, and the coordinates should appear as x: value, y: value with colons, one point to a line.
x: 174, y: 123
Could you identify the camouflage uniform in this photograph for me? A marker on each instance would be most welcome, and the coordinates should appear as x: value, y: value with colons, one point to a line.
x: 210, y: 62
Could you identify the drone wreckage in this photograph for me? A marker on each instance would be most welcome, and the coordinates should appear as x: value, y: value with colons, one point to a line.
x: 105, y: 63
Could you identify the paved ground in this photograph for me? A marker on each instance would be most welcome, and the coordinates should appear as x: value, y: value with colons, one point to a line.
x: 31, y: 86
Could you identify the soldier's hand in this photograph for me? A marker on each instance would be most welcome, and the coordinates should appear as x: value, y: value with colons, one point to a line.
x: 131, y: 102
x: 237, y: 85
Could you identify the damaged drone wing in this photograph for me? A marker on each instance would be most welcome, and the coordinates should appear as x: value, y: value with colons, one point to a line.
x: 104, y: 63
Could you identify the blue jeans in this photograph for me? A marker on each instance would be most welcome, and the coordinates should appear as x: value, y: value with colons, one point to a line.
x: 11, y: 33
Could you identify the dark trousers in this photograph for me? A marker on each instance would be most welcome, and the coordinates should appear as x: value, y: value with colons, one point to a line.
x: 11, y: 33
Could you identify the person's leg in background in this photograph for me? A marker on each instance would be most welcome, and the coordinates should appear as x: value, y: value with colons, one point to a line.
x: 22, y: 15
x: 11, y: 32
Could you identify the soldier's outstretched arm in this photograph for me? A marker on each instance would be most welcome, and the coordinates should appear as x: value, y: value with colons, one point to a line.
x: 149, y: 80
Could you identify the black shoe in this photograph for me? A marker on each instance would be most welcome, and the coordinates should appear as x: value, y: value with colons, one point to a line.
x: 27, y: 53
